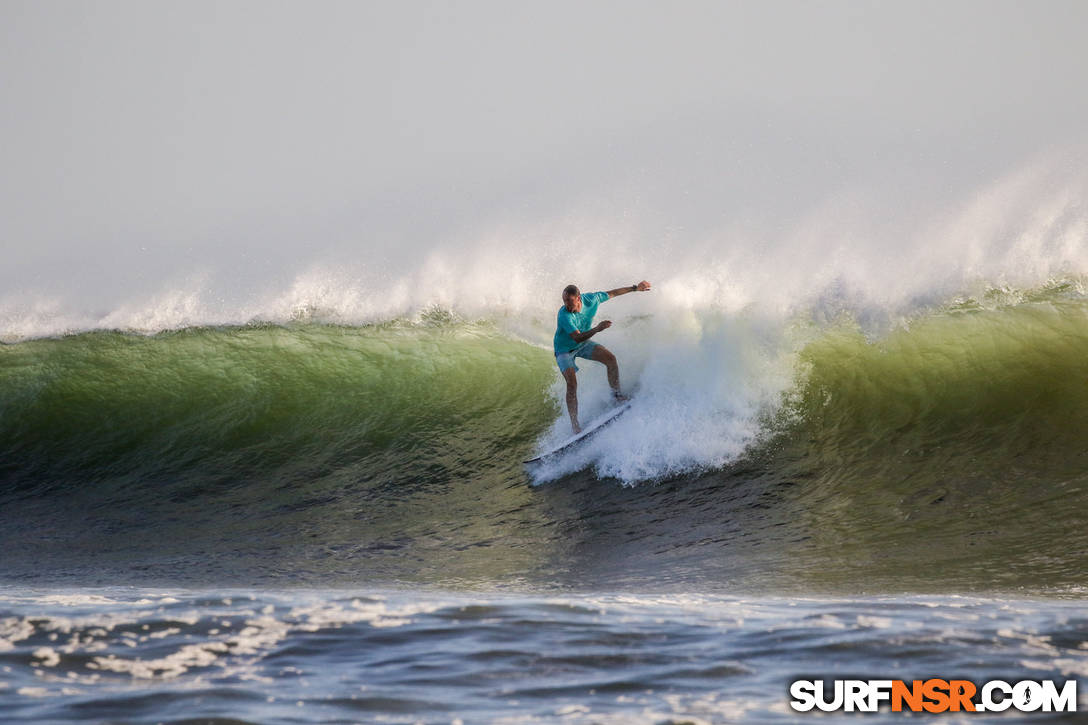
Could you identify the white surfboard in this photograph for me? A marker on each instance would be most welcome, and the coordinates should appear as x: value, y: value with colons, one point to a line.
x: 587, y: 430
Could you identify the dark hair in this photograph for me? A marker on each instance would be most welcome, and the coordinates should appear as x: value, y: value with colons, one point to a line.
x: 570, y: 289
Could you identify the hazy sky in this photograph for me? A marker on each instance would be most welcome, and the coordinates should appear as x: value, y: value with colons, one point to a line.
x: 139, y: 139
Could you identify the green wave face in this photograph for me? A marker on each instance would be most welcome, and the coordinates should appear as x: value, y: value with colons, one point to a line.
x: 294, y: 400
x: 952, y: 450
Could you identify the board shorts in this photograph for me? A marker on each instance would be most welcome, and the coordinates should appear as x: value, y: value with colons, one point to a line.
x: 565, y: 360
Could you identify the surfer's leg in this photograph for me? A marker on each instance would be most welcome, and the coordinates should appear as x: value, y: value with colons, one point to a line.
x: 603, y: 355
x: 572, y: 398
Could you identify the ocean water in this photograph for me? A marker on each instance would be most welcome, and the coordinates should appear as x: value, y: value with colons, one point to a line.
x: 142, y: 655
x: 303, y: 519
x: 278, y: 285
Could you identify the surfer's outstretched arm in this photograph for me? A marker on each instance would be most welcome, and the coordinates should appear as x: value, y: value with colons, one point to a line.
x: 642, y: 286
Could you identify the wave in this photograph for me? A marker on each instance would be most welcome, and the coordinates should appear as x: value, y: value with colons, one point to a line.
x: 993, y: 374
x: 963, y: 426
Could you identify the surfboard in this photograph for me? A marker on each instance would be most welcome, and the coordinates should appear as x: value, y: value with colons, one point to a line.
x: 587, y: 430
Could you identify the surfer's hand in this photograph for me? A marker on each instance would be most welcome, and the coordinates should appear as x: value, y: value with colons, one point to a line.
x: 605, y: 324
x: 643, y: 286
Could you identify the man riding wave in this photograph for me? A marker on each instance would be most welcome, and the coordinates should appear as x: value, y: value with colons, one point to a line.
x: 574, y: 327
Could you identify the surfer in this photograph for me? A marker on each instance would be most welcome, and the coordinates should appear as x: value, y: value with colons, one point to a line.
x: 574, y: 328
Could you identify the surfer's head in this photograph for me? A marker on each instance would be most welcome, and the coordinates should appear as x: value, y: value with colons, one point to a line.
x: 572, y: 298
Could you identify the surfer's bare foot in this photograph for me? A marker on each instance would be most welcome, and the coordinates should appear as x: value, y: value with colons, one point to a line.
x: 620, y: 397
x: 576, y: 428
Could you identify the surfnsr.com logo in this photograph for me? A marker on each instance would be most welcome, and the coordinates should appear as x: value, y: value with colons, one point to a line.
x: 933, y: 695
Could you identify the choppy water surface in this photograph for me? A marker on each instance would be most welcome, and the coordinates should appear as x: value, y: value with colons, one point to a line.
x: 123, y: 655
